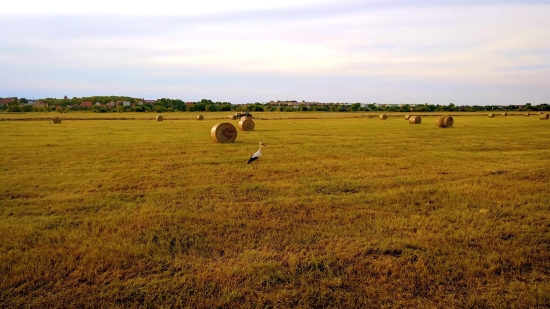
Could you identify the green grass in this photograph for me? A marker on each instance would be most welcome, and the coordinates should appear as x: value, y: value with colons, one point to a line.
x: 345, y: 210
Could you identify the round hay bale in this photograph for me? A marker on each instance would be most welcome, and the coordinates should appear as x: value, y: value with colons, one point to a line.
x: 383, y: 116
x: 407, y: 117
x: 56, y: 120
x: 449, y: 122
x: 445, y: 122
x: 200, y: 117
x: 232, y: 117
x: 527, y: 114
x: 415, y: 120
x: 439, y: 122
x: 223, y: 133
x: 160, y: 118
x: 491, y: 115
x: 541, y: 113
x: 246, y: 124
x: 544, y: 116
x: 504, y: 114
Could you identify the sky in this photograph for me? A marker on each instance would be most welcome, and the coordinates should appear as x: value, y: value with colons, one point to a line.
x: 466, y: 52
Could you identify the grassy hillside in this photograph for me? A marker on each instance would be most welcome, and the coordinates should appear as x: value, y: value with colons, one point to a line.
x: 344, y: 210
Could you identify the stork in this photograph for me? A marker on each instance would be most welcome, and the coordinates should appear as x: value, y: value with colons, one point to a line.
x: 256, y: 155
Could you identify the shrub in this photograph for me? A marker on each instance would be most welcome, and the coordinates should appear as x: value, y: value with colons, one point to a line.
x: 225, y: 108
x: 14, y: 109
x: 26, y: 108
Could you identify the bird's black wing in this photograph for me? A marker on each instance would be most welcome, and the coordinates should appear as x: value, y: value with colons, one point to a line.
x: 252, y: 159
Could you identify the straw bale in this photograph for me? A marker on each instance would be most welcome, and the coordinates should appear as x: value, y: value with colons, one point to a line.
x: 383, y: 116
x: 449, y: 122
x: 56, y: 120
x: 439, y: 122
x: 504, y: 114
x: 527, y: 114
x: 407, y: 117
x: 160, y: 118
x: 445, y: 122
x: 491, y: 115
x: 200, y: 117
x: 246, y: 124
x: 223, y: 133
x: 544, y: 116
x: 415, y: 120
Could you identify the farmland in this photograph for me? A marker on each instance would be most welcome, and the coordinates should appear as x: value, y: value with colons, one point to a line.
x: 345, y: 211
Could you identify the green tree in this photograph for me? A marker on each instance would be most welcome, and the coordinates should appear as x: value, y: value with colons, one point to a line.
x: 225, y: 107
x: 355, y: 107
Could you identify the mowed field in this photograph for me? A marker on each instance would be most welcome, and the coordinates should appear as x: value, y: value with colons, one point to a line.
x: 345, y: 210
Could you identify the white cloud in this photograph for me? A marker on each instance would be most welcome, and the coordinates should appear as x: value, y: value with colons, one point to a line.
x: 490, y: 45
x: 145, y: 8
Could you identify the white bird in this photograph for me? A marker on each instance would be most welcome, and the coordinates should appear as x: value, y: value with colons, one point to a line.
x: 256, y: 155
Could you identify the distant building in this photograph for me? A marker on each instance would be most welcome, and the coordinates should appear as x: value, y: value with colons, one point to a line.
x: 40, y: 104
x: 7, y: 101
x: 86, y: 104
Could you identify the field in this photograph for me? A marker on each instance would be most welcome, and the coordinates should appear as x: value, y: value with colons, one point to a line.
x: 344, y: 211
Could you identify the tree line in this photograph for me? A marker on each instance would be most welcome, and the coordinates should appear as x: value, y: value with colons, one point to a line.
x: 100, y: 104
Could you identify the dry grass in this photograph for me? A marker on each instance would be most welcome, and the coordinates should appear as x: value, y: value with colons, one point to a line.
x: 135, y: 214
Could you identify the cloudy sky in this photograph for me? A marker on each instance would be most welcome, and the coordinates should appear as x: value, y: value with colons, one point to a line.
x: 394, y: 51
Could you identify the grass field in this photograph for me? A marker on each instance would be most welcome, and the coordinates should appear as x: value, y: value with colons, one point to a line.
x: 344, y: 211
